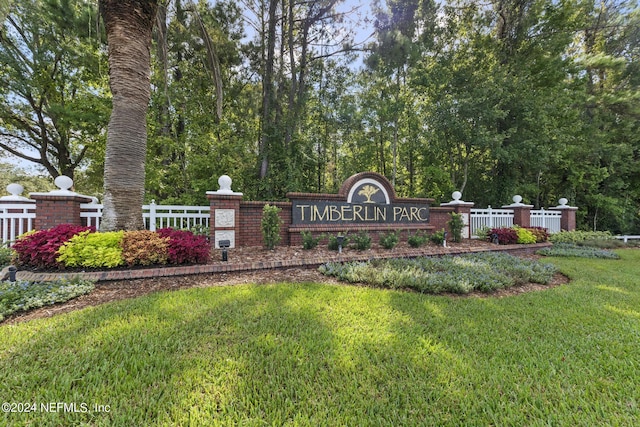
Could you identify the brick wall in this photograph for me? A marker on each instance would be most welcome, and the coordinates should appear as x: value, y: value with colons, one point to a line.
x: 250, y: 233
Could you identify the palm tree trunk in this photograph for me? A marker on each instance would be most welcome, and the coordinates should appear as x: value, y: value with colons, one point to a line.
x: 128, y: 24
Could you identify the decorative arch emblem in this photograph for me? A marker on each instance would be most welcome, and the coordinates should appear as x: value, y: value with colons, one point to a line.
x: 368, y: 190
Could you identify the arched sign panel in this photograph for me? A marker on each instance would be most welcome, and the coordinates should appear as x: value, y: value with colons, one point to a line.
x: 368, y: 199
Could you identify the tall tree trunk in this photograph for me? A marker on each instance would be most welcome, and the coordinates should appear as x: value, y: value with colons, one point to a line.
x: 268, y: 91
x: 129, y: 25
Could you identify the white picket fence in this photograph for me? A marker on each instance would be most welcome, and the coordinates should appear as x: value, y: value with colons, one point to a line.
x: 494, y: 218
x: 16, y: 219
x: 550, y: 220
x: 156, y: 216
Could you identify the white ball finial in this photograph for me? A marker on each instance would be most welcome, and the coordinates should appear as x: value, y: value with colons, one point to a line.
x: 225, y: 184
x: 563, y: 201
x: 456, y: 195
x: 15, y: 189
x: 63, y: 182
x: 517, y: 199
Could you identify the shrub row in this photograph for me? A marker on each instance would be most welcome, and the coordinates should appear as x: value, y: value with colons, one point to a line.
x: 577, y: 236
x: 459, y: 274
x: 362, y: 240
x: 573, y: 250
x: 74, y: 246
x: 517, y: 235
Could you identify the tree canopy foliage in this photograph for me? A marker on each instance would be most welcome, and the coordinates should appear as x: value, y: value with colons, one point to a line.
x: 495, y: 98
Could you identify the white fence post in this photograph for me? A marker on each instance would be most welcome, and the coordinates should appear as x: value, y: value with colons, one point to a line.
x: 152, y: 215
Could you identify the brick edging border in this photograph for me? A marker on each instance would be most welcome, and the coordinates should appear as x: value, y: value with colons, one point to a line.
x: 149, y: 273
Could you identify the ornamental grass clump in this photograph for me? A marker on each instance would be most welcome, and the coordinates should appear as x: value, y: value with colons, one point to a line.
x: 39, y: 249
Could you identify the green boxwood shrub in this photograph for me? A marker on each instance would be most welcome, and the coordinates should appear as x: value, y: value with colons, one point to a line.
x: 308, y: 241
x: 362, y: 241
x: 390, y: 239
x: 417, y: 239
x: 437, y: 237
x: 270, y: 226
x: 456, y: 224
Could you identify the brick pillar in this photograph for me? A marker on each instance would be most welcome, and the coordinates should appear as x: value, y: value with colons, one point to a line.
x: 521, y: 212
x: 224, y: 221
x: 568, y: 218
x: 463, y: 208
x: 52, y: 210
x: 58, y: 206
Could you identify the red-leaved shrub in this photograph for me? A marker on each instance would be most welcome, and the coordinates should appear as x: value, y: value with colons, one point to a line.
x: 184, y: 247
x: 40, y: 249
x: 506, y: 235
x: 542, y: 235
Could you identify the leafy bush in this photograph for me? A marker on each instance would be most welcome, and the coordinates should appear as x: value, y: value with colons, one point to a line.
x: 40, y: 248
x: 579, y: 236
x: 573, y: 250
x: 525, y: 236
x: 541, y: 234
x: 437, y: 237
x: 184, y: 247
x: 462, y: 274
x: 144, y: 248
x: 308, y: 241
x: 92, y: 250
x: 21, y: 295
x: 506, y: 235
x: 362, y: 241
x: 5, y: 256
x: 334, y: 245
x: 483, y: 233
x: 418, y: 239
x: 389, y: 240
x: 456, y: 224
x: 270, y: 226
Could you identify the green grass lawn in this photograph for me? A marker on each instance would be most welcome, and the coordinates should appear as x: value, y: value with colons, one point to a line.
x: 321, y: 355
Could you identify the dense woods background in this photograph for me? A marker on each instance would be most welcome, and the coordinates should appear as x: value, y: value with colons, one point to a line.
x: 493, y: 98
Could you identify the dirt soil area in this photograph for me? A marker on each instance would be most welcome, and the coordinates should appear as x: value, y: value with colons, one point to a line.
x: 118, y: 290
